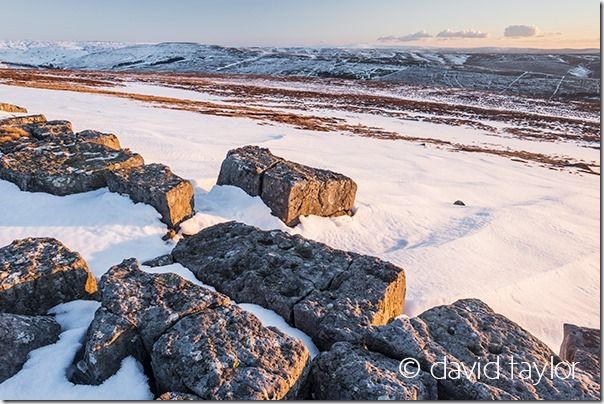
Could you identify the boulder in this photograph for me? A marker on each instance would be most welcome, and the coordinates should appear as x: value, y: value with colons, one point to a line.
x: 192, y: 340
x: 176, y: 396
x: 12, y: 108
x: 43, y: 130
x: 19, y: 335
x: 155, y: 185
x: 327, y: 293
x: 582, y: 345
x: 39, y: 273
x: 106, y: 139
x: 62, y: 165
x: 12, y: 129
x: 289, y: 189
x: 351, y: 372
x: 468, y: 332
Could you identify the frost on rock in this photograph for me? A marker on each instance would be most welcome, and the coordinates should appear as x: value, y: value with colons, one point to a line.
x: 39, y: 273
x: 329, y: 294
x: 192, y: 340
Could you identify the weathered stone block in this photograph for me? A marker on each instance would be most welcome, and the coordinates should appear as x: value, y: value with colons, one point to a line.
x: 351, y: 372
x: 198, y: 342
x: 39, y: 273
x: 43, y: 130
x: 467, y: 333
x: 156, y: 185
x: 106, y: 139
x: 62, y: 165
x: 582, y: 345
x: 19, y: 335
x: 329, y: 294
x: 289, y: 189
x: 6, y: 107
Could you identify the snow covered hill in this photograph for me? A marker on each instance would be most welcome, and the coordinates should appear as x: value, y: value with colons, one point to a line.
x: 561, y: 74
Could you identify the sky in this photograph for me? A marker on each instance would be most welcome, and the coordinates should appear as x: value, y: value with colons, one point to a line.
x: 438, y: 23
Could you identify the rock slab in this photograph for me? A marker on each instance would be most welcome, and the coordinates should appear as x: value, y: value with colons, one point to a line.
x: 289, y: 189
x: 64, y: 165
x: 191, y: 339
x: 469, y: 332
x: 39, y: 273
x: 327, y: 293
x: 19, y: 335
x: 156, y: 185
x: 351, y: 372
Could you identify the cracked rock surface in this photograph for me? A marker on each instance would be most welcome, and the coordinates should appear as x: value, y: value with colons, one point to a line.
x: 289, y: 189
x: 351, y: 372
x: 468, y: 332
x: 39, y: 273
x: 64, y: 164
x: 191, y: 340
x: 327, y: 293
x: 19, y: 335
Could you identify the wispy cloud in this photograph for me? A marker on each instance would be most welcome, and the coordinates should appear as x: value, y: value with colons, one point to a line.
x: 406, y: 38
x: 448, y: 34
x: 521, y: 31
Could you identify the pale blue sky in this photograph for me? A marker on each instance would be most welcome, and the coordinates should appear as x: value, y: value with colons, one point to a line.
x: 553, y: 23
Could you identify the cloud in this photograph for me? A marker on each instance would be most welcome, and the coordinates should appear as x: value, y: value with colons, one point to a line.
x: 448, y: 34
x: 521, y: 31
x: 406, y: 38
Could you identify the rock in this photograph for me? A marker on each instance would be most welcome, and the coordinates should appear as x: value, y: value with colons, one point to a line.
x: 198, y: 342
x: 349, y: 372
x: 39, y: 273
x: 11, y: 108
x: 22, y: 120
x: 106, y: 139
x: 62, y: 165
x: 469, y: 332
x: 582, y: 345
x: 19, y: 335
x: 110, y: 339
x: 160, y: 261
x: 459, y: 203
x: 156, y: 185
x: 329, y: 294
x: 289, y: 189
x: 43, y: 130
x: 172, y: 395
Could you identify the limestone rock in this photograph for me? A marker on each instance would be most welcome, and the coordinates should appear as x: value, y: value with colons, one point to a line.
x: 22, y: 120
x: 176, y: 396
x: 43, y: 130
x: 329, y: 294
x: 289, y: 189
x: 582, y: 345
x: 106, y: 139
x: 6, y: 107
x: 349, y: 372
x: 468, y: 332
x: 62, y: 165
x: 160, y: 261
x: 155, y: 185
x: 191, y: 339
x: 39, y: 273
x: 19, y: 335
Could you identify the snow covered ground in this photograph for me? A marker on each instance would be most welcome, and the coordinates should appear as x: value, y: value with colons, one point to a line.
x: 527, y: 243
